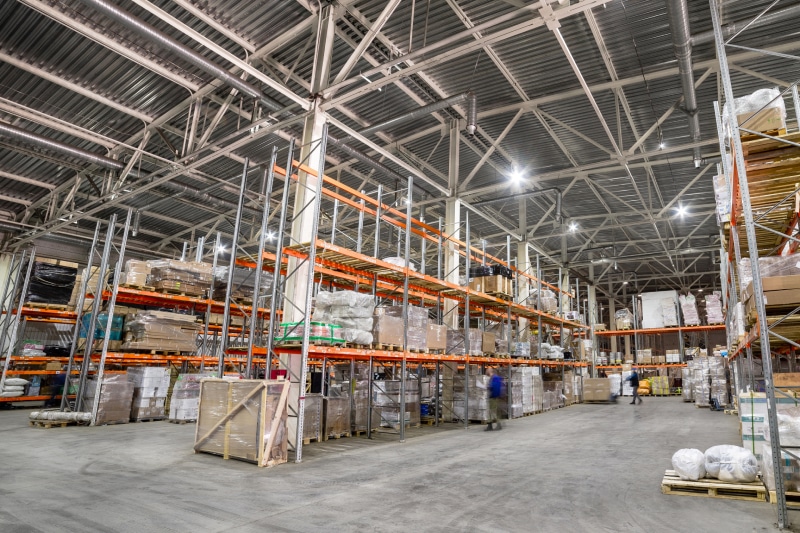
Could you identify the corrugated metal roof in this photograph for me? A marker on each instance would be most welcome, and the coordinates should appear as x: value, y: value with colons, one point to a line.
x: 565, y: 146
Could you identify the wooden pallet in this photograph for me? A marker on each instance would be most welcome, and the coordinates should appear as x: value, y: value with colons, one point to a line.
x: 734, y: 412
x: 750, y: 137
x: 147, y: 288
x: 360, y: 432
x: 47, y: 424
x: 310, y: 440
x: 712, y: 488
x: 500, y: 295
x: 153, y: 352
x: 181, y: 422
x: 177, y: 292
x: 151, y: 419
x: 791, y: 497
x: 42, y: 305
x: 429, y: 420
x: 336, y: 436
x: 389, y: 347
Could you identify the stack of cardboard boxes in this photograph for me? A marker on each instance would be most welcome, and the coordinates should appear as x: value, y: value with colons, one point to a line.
x: 116, y: 396
x: 185, y: 397
x: 151, y: 388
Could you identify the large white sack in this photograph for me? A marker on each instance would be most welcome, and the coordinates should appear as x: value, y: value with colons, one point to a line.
x: 689, y: 464
x: 731, y: 463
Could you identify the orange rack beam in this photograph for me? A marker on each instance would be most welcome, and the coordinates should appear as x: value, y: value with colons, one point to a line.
x: 658, y: 330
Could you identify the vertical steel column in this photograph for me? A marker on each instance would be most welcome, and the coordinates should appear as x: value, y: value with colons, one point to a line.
x: 758, y: 289
x: 184, y: 250
x: 276, y: 279
x: 423, y: 242
x: 796, y: 101
x: 226, y: 317
x: 359, y: 238
x: 539, y: 308
x: 112, y: 301
x: 198, y: 252
x: 467, y: 267
x: 439, y: 250
x: 405, y: 310
x: 76, y: 333
x: 96, y: 303
x: 378, y: 213
x: 203, y: 345
x: 370, y: 379
x: 14, y: 325
x: 333, y: 220
x: 16, y: 264
x: 312, y: 253
x: 437, y: 396
x: 262, y: 242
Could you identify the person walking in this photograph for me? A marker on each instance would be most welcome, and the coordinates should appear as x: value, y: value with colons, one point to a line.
x: 495, y: 391
x: 634, y: 379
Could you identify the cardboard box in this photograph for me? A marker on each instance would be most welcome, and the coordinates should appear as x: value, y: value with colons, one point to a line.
x: 54, y: 366
x: 768, y: 119
x: 437, y: 337
x: 488, y: 343
x: 388, y: 330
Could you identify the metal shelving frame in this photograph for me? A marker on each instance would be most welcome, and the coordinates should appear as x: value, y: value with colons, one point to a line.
x: 752, y: 222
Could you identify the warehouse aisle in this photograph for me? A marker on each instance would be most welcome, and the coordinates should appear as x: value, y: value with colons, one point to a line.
x: 587, y: 468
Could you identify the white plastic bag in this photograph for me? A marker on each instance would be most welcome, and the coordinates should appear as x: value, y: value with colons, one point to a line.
x: 16, y: 381
x: 689, y: 464
x: 731, y: 463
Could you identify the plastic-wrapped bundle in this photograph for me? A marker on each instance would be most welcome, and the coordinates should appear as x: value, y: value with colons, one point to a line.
x: 189, y: 277
x: 660, y: 385
x: 615, y: 381
x: 521, y: 350
x: 160, y: 330
x: 457, y: 346
x: 714, y: 308
x: 243, y: 284
x: 731, y: 463
x: 722, y: 196
x: 763, y: 110
x: 788, y: 426
x: 50, y: 283
x: 387, y: 395
x: 399, y: 261
x: 14, y: 387
x: 185, y: 398
x: 689, y: 464
x: 687, y: 384
x: 352, y: 311
x: 116, y: 396
x: 689, y: 309
x: 356, y: 336
x: 547, y: 303
x: 776, y: 265
x: 312, y: 417
x: 135, y: 273
x: 791, y: 470
x: 623, y: 319
x: 669, y: 312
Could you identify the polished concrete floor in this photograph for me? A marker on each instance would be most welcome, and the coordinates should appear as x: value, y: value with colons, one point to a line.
x: 585, y: 468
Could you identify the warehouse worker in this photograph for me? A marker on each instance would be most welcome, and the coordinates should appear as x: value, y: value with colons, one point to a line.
x: 495, y: 391
x: 634, y: 379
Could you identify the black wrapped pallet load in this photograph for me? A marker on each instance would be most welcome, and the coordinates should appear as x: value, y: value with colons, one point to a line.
x: 51, y: 284
x: 490, y: 270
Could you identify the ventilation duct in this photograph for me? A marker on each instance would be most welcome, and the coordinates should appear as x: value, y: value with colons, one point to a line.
x: 678, y: 12
x: 27, y: 137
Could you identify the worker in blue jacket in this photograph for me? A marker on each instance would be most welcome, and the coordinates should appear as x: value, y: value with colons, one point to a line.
x: 495, y: 392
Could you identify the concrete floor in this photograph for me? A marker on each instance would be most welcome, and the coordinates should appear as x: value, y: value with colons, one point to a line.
x: 586, y: 468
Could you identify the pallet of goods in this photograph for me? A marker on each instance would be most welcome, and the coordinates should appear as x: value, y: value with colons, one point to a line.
x: 187, y: 278
x: 160, y: 331
x: 243, y: 419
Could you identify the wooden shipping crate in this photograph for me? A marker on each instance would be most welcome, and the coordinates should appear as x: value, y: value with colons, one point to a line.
x: 243, y: 419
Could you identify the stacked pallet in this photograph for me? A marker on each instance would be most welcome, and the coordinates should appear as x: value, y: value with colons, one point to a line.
x: 160, y: 331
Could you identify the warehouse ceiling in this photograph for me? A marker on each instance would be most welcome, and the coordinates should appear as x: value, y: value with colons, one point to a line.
x: 584, y: 96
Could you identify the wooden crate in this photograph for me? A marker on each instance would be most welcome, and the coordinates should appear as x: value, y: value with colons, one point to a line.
x: 243, y: 419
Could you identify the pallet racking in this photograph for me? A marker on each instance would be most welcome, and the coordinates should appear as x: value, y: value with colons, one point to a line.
x: 761, y: 172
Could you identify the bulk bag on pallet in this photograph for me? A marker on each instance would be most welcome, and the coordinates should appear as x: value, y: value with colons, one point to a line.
x: 731, y: 463
x: 689, y: 464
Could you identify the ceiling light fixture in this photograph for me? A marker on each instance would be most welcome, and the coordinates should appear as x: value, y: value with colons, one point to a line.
x: 573, y: 227
x: 624, y: 282
x: 681, y: 210
x: 661, y: 146
x: 221, y: 248
x: 270, y: 236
